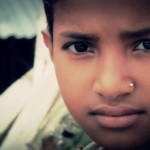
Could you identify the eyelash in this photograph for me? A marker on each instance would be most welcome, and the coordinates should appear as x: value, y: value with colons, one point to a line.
x: 88, y: 48
x: 142, y: 46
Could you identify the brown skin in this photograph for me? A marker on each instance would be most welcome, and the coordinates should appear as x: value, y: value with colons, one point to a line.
x: 100, y: 77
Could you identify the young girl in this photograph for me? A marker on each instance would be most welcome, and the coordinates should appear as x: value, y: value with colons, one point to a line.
x: 101, y: 53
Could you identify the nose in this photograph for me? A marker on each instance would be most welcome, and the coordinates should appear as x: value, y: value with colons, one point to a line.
x: 113, y: 80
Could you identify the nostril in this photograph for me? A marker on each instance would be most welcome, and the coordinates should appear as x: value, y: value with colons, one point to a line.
x: 114, y: 88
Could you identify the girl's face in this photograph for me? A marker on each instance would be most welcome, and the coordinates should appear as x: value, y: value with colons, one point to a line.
x: 100, y: 47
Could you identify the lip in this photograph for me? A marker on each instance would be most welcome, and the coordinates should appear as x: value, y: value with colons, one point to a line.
x: 116, y: 117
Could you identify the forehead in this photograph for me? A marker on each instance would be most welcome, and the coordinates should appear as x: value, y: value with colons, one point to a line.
x: 102, y: 5
x: 76, y: 13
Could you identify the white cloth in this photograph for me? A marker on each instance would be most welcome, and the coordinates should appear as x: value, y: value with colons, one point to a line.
x: 19, y: 18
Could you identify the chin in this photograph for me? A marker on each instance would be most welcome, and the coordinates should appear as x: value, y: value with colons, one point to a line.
x: 121, y: 144
x: 118, y: 146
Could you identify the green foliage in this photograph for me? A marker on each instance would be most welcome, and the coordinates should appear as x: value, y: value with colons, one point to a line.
x: 68, y: 135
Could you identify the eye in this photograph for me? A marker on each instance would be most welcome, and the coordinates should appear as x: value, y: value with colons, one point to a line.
x: 143, y: 45
x: 79, y: 48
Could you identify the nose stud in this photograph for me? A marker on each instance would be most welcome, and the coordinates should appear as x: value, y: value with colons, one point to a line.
x: 131, y: 85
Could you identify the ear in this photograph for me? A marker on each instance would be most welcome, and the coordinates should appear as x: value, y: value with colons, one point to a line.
x: 47, y: 40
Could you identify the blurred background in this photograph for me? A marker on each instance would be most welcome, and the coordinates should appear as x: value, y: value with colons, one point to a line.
x: 32, y: 113
x: 18, y: 28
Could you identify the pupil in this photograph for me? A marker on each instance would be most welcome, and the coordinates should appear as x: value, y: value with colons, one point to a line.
x: 81, y: 47
x: 147, y: 44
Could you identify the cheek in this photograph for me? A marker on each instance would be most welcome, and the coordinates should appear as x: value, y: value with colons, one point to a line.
x: 73, y: 95
x: 141, y: 76
x: 71, y: 84
x: 141, y: 72
x: 75, y: 85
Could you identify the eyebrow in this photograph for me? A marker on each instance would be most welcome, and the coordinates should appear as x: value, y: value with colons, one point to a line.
x: 90, y: 37
x: 135, y: 34
x: 80, y: 36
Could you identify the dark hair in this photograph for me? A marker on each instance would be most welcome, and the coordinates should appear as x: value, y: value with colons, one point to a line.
x: 49, y: 11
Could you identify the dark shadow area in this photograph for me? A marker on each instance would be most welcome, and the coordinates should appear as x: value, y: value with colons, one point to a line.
x: 16, y: 58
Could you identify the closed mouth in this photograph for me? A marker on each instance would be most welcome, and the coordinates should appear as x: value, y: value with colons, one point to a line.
x: 115, y: 111
x: 117, y: 116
